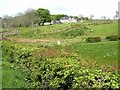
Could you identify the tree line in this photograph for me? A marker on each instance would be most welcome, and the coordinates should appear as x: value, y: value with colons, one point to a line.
x: 31, y: 17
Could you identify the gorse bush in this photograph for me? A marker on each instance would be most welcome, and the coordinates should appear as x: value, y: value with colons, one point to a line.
x: 93, y: 39
x: 46, y: 73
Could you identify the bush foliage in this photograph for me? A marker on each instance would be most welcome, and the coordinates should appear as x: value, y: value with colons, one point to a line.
x: 46, y: 73
x: 112, y: 38
x: 93, y: 39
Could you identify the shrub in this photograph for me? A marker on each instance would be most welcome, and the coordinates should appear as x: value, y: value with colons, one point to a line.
x: 93, y: 39
x: 112, y: 38
x: 46, y: 73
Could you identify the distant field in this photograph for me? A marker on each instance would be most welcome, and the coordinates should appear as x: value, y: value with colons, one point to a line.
x: 62, y: 31
x: 103, y: 30
x: 31, y: 32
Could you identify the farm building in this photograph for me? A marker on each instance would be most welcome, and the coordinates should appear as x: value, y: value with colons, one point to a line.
x: 62, y: 20
x: 68, y: 20
x: 47, y: 23
x: 55, y: 22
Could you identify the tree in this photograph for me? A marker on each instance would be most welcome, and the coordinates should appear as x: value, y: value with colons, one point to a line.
x: 29, y: 17
x: 18, y: 20
x: 91, y: 16
x: 0, y: 22
x: 7, y: 21
x: 85, y: 18
x: 43, y: 15
x: 103, y: 17
x: 58, y: 16
x: 80, y: 15
x: 76, y: 17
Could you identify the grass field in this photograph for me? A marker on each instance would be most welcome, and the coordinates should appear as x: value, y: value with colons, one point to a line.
x: 103, y: 30
x: 39, y: 52
x: 31, y: 32
x: 103, y: 52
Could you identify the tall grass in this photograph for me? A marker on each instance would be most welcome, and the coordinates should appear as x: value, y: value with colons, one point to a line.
x: 13, y: 78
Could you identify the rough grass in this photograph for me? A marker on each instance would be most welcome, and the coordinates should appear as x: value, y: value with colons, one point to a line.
x: 13, y: 78
x: 99, y: 30
x: 103, y: 29
x: 31, y: 31
x: 102, y: 52
x: 55, y: 27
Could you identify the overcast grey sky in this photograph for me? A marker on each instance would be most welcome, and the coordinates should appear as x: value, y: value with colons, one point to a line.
x: 98, y: 8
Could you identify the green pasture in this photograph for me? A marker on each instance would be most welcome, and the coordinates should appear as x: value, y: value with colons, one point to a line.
x: 39, y: 31
x: 102, y: 52
x: 66, y: 31
x: 103, y: 30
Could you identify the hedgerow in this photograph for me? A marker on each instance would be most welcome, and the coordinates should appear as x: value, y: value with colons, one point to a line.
x: 112, y: 38
x: 93, y: 39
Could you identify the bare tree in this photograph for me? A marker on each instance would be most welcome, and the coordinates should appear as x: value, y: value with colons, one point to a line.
x: 18, y: 20
x: 30, y: 17
x: 81, y: 16
x: 7, y: 21
x: 0, y: 23
x: 103, y: 17
x: 91, y: 16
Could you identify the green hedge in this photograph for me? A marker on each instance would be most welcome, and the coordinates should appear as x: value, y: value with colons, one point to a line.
x: 112, y: 38
x: 93, y: 39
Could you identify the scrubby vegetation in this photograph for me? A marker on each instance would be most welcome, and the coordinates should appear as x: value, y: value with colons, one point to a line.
x: 64, y: 71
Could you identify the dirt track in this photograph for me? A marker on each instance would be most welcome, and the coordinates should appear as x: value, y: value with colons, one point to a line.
x: 7, y: 33
x: 29, y: 40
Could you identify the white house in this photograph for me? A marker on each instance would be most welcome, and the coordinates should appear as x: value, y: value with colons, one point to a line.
x: 67, y: 20
x: 55, y: 22
x: 47, y: 23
